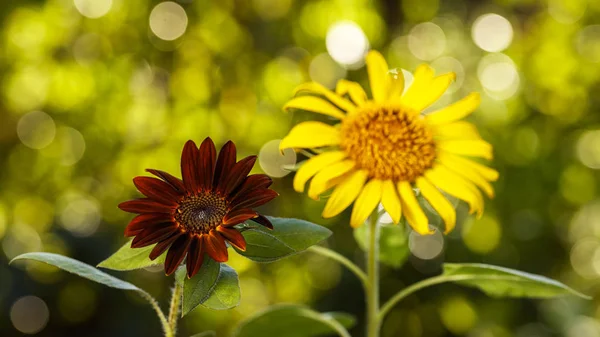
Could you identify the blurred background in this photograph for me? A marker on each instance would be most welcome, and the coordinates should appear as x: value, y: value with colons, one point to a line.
x: 95, y: 91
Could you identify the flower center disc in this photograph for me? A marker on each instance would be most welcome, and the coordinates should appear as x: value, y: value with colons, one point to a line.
x: 389, y: 143
x: 200, y: 214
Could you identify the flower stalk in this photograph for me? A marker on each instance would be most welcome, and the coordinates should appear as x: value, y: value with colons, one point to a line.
x: 174, y: 309
x: 372, y: 290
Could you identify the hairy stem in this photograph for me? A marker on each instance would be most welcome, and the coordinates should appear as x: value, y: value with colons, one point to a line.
x: 161, y: 316
x: 174, y: 309
x: 343, y: 260
x: 372, y: 293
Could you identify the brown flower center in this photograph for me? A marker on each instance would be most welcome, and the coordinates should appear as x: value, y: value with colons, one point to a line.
x: 389, y: 143
x: 200, y: 214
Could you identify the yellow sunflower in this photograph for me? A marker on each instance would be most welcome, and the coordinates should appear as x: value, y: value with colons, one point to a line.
x: 384, y: 148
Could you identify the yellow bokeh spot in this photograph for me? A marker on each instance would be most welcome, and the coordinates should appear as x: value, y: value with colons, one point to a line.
x: 271, y: 9
x: 483, y: 235
x: 35, y: 212
x: 577, y: 184
x: 458, y: 315
x: 3, y: 220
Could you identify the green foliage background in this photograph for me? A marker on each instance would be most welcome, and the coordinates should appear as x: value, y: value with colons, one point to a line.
x: 121, y: 100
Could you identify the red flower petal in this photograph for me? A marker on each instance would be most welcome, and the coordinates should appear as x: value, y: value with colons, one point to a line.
x: 176, y: 183
x: 153, y: 235
x: 214, y: 245
x: 157, y: 190
x: 206, y: 164
x: 177, y: 253
x: 163, y: 245
x: 255, y: 198
x: 195, y: 256
x: 142, y: 221
x: 189, y: 167
x: 238, y: 216
x: 262, y: 220
x: 225, y: 162
x: 145, y: 205
x: 252, y: 182
x: 236, y: 176
x: 233, y: 236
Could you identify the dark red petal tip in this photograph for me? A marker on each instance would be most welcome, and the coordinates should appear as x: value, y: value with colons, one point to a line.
x: 176, y: 253
x: 206, y: 164
x: 189, y: 166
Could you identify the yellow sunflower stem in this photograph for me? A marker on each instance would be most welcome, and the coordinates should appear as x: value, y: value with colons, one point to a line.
x: 372, y: 291
x: 174, y: 310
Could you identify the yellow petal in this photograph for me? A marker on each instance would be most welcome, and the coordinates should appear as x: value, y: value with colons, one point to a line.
x: 470, y: 148
x: 456, y: 186
x: 319, y: 183
x: 422, y: 78
x: 468, y: 173
x: 437, y: 200
x: 390, y: 201
x: 314, y: 104
x: 378, y: 75
x: 430, y: 93
x: 412, y: 210
x: 345, y: 193
x: 455, y: 111
x: 366, y: 202
x: 319, y: 89
x: 396, y: 85
x: 354, y: 90
x: 314, y: 165
x: 486, y: 172
x: 457, y: 130
x: 309, y: 135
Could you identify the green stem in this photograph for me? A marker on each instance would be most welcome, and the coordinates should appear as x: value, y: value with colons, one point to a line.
x: 343, y: 260
x: 174, y: 309
x: 161, y: 316
x: 372, y: 293
x: 416, y: 287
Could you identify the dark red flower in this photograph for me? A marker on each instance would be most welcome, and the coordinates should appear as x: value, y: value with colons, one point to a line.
x: 197, y: 215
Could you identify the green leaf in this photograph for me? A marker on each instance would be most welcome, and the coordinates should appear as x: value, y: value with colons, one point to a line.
x: 288, y: 237
x: 294, y: 321
x: 226, y: 293
x: 197, y: 289
x: 393, y: 244
x: 503, y: 282
x: 127, y: 258
x: 84, y: 270
x: 216, y: 286
x: 78, y: 268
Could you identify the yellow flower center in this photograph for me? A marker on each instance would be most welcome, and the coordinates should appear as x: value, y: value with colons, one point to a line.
x: 200, y: 213
x: 389, y: 143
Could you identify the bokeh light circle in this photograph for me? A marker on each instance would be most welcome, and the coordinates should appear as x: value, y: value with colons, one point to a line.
x: 427, y: 41
x: 347, y: 43
x: 323, y: 69
x: 93, y: 9
x: 36, y: 130
x: 273, y: 161
x: 29, y: 314
x: 499, y: 76
x: 168, y: 20
x: 588, y: 149
x: 492, y: 32
x: 426, y: 247
x: 588, y: 43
